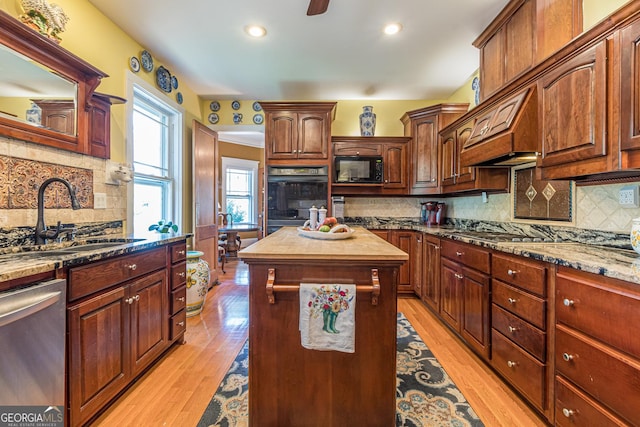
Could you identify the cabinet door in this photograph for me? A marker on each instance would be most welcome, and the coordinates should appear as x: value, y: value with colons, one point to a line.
x: 492, y: 64
x: 630, y: 87
x: 149, y: 319
x: 99, y: 366
x: 519, y: 41
x: 395, y: 166
x: 405, y: 241
x: 424, y: 153
x: 430, y: 294
x: 281, y: 135
x: 450, y: 285
x: 573, y: 109
x: 447, y: 162
x: 475, y: 312
x: 313, y: 136
x: 463, y: 174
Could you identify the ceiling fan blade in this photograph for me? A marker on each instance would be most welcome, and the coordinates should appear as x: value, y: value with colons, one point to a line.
x: 317, y: 7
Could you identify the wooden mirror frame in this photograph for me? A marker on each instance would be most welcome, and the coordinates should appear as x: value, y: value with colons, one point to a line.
x: 28, y: 42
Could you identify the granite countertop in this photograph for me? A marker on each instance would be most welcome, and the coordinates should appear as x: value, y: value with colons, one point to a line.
x: 287, y: 244
x: 20, y: 262
x: 593, y: 253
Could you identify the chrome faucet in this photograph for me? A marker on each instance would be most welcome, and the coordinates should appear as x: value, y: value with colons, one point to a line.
x: 42, y: 234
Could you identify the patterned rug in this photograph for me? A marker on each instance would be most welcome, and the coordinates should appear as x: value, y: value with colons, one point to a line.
x: 425, y: 395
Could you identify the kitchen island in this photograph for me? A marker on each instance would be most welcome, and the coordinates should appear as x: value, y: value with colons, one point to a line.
x: 292, y: 385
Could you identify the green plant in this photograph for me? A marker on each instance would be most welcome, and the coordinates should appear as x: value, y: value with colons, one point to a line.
x: 163, y: 227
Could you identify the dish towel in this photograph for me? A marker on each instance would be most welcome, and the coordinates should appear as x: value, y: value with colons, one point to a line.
x: 327, y: 317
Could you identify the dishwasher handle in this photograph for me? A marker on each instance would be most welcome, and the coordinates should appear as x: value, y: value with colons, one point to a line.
x: 28, y: 306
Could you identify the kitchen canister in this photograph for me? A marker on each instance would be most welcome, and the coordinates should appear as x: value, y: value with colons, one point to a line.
x: 198, y: 276
x: 635, y: 234
x: 313, y: 217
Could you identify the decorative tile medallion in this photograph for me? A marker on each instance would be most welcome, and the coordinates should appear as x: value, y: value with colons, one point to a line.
x: 541, y: 200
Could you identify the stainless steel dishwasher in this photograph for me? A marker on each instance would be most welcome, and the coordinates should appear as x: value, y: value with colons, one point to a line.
x: 32, y: 346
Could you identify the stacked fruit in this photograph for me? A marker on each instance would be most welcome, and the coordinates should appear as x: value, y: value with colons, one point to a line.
x: 330, y: 224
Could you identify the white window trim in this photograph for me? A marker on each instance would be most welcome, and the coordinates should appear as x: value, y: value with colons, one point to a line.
x: 175, y: 151
x: 228, y: 162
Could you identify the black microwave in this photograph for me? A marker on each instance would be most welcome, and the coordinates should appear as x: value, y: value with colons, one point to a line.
x: 358, y: 169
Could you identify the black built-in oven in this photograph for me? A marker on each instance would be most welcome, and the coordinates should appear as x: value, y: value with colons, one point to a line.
x: 291, y: 191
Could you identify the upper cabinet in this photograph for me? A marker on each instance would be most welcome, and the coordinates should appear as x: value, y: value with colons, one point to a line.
x: 522, y: 35
x: 423, y: 126
x: 297, y: 131
x: 53, y: 103
x: 630, y: 95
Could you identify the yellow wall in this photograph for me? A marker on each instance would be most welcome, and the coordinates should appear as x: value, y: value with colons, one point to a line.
x: 594, y: 10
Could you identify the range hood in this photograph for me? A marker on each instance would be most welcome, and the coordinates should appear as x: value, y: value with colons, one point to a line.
x: 505, y: 133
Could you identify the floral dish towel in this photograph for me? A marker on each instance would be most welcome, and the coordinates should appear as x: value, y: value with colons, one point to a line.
x: 327, y: 317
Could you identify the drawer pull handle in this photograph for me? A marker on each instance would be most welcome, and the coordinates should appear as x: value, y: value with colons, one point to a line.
x: 567, y: 412
x: 181, y: 252
x: 511, y: 364
x: 137, y: 298
x: 180, y: 323
x: 458, y: 253
x: 511, y: 272
x: 459, y: 276
x: 567, y: 302
x: 512, y: 300
x: 131, y: 267
x: 181, y: 299
x: 181, y: 274
x: 567, y: 357
x: 512, y: 329
x: 129, y: 301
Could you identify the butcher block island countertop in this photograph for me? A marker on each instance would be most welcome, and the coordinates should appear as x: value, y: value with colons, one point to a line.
x: 290, y: 385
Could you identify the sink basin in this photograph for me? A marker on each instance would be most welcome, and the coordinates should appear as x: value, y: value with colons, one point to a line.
x: 94, y: 246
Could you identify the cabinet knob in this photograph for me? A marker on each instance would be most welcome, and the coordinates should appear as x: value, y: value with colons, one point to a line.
x: 567, y: 412
x: 181, y: 299
x: 433, y: 180
x: 511, y: 364
x: 180, y: 323
x: 458, y: 253
x: 137, y: 297
x: 181, y: 252
x: 129, y: 301
x: 567, y: 357
x: 511, y: 272
x: 512, y: 300
x: 357, y: 153
x: 131, y: 267
x: 181, y: 274
x: 567, y: 302
x: 512, y: 329
x: 459, y: 276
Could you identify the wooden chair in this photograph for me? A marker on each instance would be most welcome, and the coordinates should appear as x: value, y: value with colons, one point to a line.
x: 222, y: 256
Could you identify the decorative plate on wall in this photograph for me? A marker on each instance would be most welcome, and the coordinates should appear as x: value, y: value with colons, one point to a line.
x: 213, y: 118
x: 215, y: 106
x: 258, y: 119
x: 257, y: 106
x: 147, y: 61
x: 134, y: 64
x: 174, y: 82
x: 163, y: 79
x: 179, y: 97
x: 235, y: 105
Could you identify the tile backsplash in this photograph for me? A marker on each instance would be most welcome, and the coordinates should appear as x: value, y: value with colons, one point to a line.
x: 596, y: 208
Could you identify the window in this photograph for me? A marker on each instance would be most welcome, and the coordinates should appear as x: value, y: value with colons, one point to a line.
x: 239, y: 181
x: 156, y: 155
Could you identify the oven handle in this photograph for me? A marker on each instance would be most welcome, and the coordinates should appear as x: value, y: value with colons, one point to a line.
x: 29, y: 306
x: 298, y: 178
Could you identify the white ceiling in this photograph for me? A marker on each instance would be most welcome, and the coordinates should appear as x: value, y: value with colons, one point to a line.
x: 339, y: 55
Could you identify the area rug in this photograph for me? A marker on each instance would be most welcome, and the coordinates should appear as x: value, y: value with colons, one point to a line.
x: 425, y: 395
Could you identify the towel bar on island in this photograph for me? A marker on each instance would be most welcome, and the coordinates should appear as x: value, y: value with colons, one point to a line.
x: 272, y: 288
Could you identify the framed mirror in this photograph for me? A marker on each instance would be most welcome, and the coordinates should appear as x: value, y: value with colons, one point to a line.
x: 45, y: 91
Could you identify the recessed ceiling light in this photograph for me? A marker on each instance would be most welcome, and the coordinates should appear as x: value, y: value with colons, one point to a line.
x: 392, y: 28
x: 255, y: 30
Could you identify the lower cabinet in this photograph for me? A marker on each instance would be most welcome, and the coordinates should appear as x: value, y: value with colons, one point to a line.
x: 430, y: 272
x: 410, y: 242
x: 122, y: 316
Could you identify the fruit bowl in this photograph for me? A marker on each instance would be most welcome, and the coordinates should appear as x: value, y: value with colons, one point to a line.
x: 339, y: 232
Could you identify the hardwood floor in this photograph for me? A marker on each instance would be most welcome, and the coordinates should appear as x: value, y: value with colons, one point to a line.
x: 177, y: 390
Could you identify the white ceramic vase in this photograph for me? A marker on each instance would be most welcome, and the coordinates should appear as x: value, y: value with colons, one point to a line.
x: 198, y: 276
x: 367, y: 121
x: 635, y: 234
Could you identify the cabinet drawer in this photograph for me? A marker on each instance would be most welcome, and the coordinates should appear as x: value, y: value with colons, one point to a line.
x: 529, y: 307
x: 522, y: 370
x: 468, y: 255
x: 520, y: 332
x: 574, y: 408
x: 178, y: 275
x: 178, y: 252
x: 360, y: 149
x: 600, y: 308
x: 178, y: 300
x: 518, y: 272
x: 178, y: 325
x: 90, y: 278
x: 607, y: 375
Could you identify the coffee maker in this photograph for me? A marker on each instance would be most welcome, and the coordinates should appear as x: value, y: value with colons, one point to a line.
x: 433, y: 213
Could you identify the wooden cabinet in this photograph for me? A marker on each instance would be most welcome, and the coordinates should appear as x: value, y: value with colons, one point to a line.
x: 119, y: 316
x: 597, y: 353
x: 430, y: 274
x: 410, y: 242
x: 297, y: 131
x: 630, y: 95
x: 464, y: 286
x: 519, y: 327
x: 58, y: 115
x: 100, y: 124
x: 457, y: 178
x: 573, y: 116
x: 396, y: 167
x: 423, y: 126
